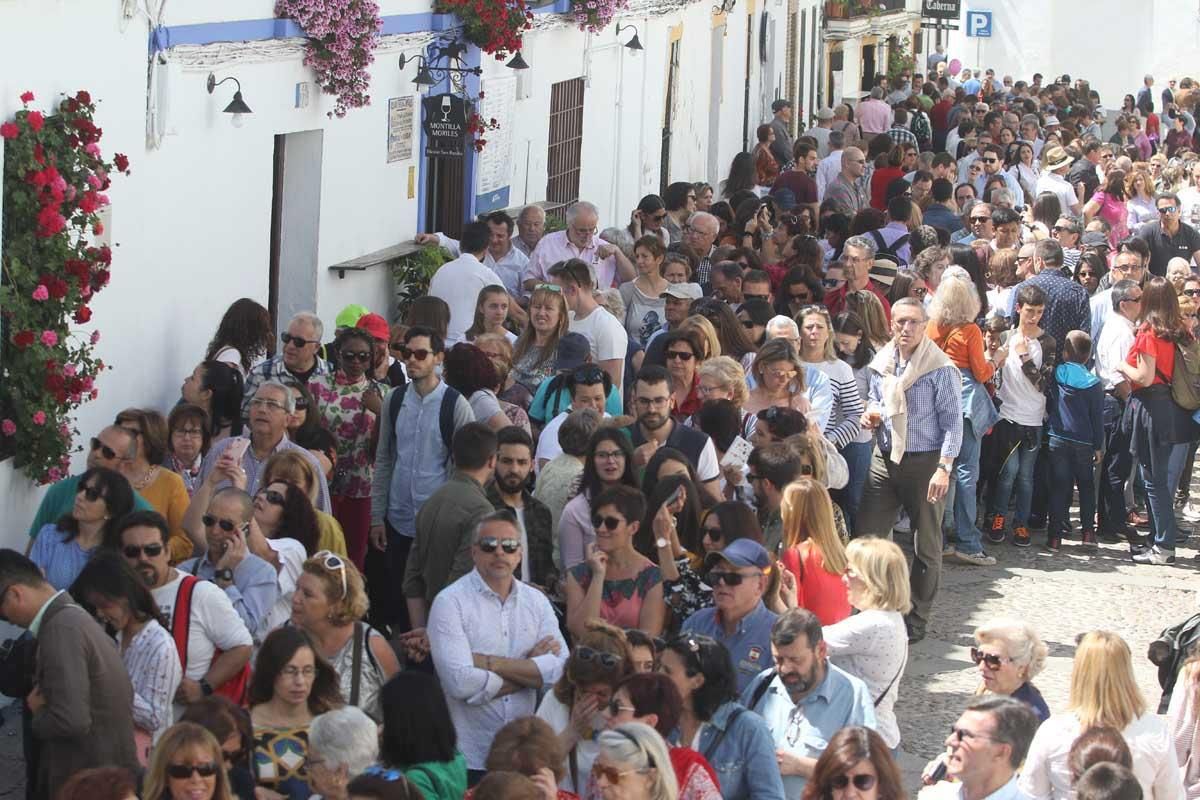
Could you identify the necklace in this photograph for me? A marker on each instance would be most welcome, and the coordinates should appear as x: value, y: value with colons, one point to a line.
x: 147, y: 479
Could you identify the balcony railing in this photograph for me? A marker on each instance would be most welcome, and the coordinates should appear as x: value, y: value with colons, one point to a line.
x: 853, y: 9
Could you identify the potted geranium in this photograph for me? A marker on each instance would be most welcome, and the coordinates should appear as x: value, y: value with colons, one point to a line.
x: 495, y: 26
x: 595, y: 15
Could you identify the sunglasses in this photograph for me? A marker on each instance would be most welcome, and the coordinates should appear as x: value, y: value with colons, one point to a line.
x: 990, y: 660
x: 713, y: 533
x: 728, y: 578
x: 271, y: 496
x: 673, y: 355
x: 287, y: 338
x: 980, y: 220
x: 755, y: 296
x: 611, y: 774
x: 419, y: 354
x: 104, y: 449
x: 659, y: 217
x: 962, y: 733
x: 1188, y: 292
x: 90, y: 492
x: 604, y: 659
x: 589, y: 374
x: 549, y: 287
x: 864, y: 783
x: 333, y: 563
x: 613, y: 708
x: 182, y: 771
x: 830, y: 283
x: 488, y: 544
x: 133, y: 551
x: 1168, y: 209
x: 233, y: 757
x: 611, y: 523
x: 226, y: 525
x: 362, y: 356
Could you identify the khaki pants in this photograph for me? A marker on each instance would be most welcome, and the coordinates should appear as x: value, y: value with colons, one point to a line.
x: 891, y: 486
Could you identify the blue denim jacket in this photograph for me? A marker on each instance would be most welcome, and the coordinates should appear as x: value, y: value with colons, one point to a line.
x: 977, y: 404
x: 745, y: 756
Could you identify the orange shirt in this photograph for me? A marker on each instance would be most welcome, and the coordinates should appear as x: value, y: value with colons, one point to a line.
x: 964, y: 345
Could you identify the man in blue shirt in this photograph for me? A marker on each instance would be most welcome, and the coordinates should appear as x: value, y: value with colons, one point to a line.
x: 941, y: 212
x: 738, y: 620
x: 986, y: 746
x: 805, y: 700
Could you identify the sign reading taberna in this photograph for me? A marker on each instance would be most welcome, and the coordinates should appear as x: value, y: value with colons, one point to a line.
x: 941, y: 9
x: 445, y: 124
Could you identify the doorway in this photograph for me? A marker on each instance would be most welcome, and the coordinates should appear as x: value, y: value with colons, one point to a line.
x: 295, y: 225
x: 868, y: 67
x: 444, y: 192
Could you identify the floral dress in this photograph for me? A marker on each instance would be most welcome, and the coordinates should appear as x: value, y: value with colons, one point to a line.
x: 688, y: 593
x: 340, y: 405
x: 621, y: 603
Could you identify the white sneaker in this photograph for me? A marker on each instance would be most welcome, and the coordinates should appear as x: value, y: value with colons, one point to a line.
x: 980, y: 559
x: 1190, y: 512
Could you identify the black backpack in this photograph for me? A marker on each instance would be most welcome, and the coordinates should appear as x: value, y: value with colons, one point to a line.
x: 882, y: 250
x: 1169, y: 651
x: 445, y: 412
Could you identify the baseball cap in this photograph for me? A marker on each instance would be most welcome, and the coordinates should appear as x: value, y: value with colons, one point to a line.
x: 782, y: 102
x: 683, y: 291
x: 375, y: 325
x: 825, y: 113
x: 573, y: 350
x: 740, y: 553
x: 1093, y: 239
x: 350, y: 315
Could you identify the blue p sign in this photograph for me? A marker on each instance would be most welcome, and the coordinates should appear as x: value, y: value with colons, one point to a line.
x: 979, y: 23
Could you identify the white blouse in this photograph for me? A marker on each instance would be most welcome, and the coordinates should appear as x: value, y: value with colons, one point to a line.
x: 152, y: 662
x: 873, y: 646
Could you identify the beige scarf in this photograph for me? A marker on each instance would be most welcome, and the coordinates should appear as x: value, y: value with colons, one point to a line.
x: 926, y: 358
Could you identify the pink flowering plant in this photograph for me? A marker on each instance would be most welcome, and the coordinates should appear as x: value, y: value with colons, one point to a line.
x: 55, y: 179
x: 593, y: 16
x: 342, y: 35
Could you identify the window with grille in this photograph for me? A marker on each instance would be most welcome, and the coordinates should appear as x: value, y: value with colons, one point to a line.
x: 565, y: 145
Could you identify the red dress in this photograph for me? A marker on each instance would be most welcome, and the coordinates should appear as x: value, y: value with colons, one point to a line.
x: 818, y: 590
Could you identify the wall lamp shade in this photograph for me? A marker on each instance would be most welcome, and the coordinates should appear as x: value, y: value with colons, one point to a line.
x: 237, y: 107
x: 517, y: 62
x: 634, y: 43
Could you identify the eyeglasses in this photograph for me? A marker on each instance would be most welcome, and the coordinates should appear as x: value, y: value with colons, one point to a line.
x: 611, y: 774
x: 1087, y: 273
x: 980, y: 220
x: 133, y: 551
x: 419, y: 354
x: 183, y: 771
x: 707, y: 390
x: 609, y: 455
x: 748, y: 324
x: 298, y: 341
x: 659, y: 217
x: 90, y: 492
x: 104, y: 449
x: 755, y: 296
x: 611, y: 523
x: 780, y: 373
x: 263, y: 402
x: 604, y: 659
x: 1188, y: 292
x: 189, y: 432
x: 864, y: 783
x: 488, y: 544
x: 271, y: 496
x: 615, y: 708
x: 1168, y: 209
x: 990, y: 660
x: 830, y: 283
x: 307, y: 673
x: 334, y: 563
x: 673, y: 355
x: 963, y: 733
x: 652, y: 401
x: 920, y: 291
x: 728, y: 578
x: 226, y: 525
x: 361, y: 355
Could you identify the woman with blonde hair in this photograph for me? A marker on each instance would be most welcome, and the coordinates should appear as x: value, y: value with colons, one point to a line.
x: 533, y: 352
x: 1183, y: 714
x: 712, y: 342
x: 1009, y: 654
x: 1139, y: 193
x: 812, y: 551
x: 1104, y: 692
x: 722, y: 378
x: 822, y: 463
x: 781, y: 379
x: 873, y: 644
x: 187, y: 764
x: 633, y: 760
x: 952, y: 327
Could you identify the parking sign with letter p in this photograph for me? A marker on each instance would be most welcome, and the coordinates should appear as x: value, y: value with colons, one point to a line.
x: 979, y: 23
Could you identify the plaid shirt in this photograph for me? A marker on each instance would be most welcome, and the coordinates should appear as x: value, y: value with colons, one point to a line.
x: 273, y: 369
x: 538, y: 532
x: 934, y: 412
x: 903, y: 136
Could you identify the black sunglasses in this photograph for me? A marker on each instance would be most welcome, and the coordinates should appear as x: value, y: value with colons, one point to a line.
x: 680, y: 355
x: 728, y: 578
x: 488, y: 544
x: 1190, y: 292
x: 748, y: 324
x: 612, y: 523
x: 182, y: 771
x: 287, y: 338
x: 273, y: 497
x: 104, y: 449
x: 606, y: 660
x: 419, y: 354
x: 712, y: 533
x: 863, y: 783
x: 588, y: 375
x: 363, y: 356
x: 990, y: 660
x: 132, y: 551
x: 90, y: 492
x: 209, y: 520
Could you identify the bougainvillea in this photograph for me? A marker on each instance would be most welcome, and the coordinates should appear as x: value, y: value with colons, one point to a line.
x: 55, y: 179
x: 496, y: 26
x: 593, y: 16
x: 342, y: 35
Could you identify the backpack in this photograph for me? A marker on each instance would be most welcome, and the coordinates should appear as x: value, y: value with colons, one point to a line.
x: 920, y: 128
x: 883, y: 250
x: 236, y: 688
x: 1185, y: 382
x: 1169, y: 651
x: 445, y: 412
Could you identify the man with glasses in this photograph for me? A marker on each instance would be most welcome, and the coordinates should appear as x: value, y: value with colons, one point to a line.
x: 738, y: 618
x: 845, y: 194
x: 416, y: 431
x: 441, y: 548
x: 217, y: 639
x: 249, y: 581
x: 986, y: 746
x: 588, y: 386
x: 806, y: 699
x: 1068, y: 232
x: 772, y: 467
x: 1169, y: 237
x: 606, y: 335
x: 980, y: 220
x: 299, y: 360
x: 698, y: 243
x: 858, y: 256
x: 1128, y: 264
x: 238, y: 462
x: 579, y: 241
x: 458, y: 282
x: 993, y: 165
x: 1112, y: 348
x: 1055, y: 166
x: 914, y: 405
x: 495, y: 641
x: 756, y: 285
x: 653, y: 403
x: 982, y: 141
x: 79, y: 711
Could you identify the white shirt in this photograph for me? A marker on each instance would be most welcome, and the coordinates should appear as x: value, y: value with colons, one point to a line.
x: 152, y: 661
x: 953, y: 790
x: 1116, y: 340
x: 468, y: 617
x: 822, y: 137
x: 606, y: 335
x: 1046, y: 775
x: 548, y: 446
x: 458, y: 283
x: 214, y: 624
x: 1052, y: 182
x: 291, y: 563
x: 827, y: 169
x: 873, y: 646
x: 510, y: 267
x: 1020, y: 401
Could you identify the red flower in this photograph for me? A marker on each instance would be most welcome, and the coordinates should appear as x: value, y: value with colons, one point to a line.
x: 83, y: 314
x: 122, y: 161
x: 27, y: 97
x: 39, y: 153
x: 50, y: 222
x: 9, y: 130
x: 35, y: 121
x: 83, y: 97
x: 24, y: 339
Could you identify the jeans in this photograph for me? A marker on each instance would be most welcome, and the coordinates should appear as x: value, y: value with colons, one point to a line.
x: 858, y: 464
x: 959, y: 518
x: 1154, y: 461
x: 1017, y: 472
x: 1070, y: 466
x: 1114, y: 474
x: 1175, y: 469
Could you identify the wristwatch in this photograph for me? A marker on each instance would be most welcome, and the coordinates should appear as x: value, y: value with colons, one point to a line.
x: 205, y: 687
x: 660, y: 543
x: 944, y: 467
x: 225, y: 574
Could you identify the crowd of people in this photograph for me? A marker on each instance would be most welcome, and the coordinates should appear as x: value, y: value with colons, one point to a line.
x: 610, y: 512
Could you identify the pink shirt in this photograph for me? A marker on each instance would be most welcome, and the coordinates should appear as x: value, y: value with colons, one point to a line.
x: 555, y: 247
x: 874, y: 116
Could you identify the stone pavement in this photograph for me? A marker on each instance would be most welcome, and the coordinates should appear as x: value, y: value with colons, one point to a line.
x: 1064, y: 594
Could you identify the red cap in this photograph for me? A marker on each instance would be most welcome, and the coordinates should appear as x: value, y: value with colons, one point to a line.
x: 375, y: 325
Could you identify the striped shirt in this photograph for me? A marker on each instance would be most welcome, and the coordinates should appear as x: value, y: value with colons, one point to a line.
x: 844, y: 422
x: 152, y: 662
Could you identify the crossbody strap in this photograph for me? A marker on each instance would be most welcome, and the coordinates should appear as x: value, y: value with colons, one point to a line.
x: 712, y: 746
x: 356, y: 664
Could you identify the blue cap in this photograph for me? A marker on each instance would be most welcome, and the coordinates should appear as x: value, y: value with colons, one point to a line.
x: 741, y: 553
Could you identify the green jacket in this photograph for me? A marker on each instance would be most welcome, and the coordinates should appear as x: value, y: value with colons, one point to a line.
x: 441, y: 550
x: 440, y: 780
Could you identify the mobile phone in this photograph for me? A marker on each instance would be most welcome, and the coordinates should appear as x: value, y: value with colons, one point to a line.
x: 237, y: 448
x: 675, y: 496
x: 939, y: 772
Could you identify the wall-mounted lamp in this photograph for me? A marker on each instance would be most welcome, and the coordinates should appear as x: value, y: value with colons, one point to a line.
x: 517, y: 62
x: 428, y: 73
x: 634, y: 43
x: 725, y: 7
x: 237, y: 106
